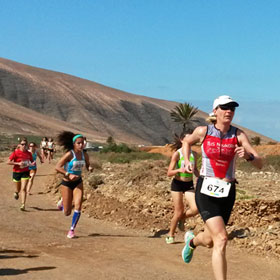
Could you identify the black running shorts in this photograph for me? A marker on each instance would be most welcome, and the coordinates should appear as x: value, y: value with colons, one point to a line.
x: 18, y: 176
x: 72, y: 184
x: 181, y: 186
x: 210, y: 207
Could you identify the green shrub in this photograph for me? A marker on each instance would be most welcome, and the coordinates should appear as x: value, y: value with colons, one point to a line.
x: 124, y: 157
x: 94, y: 181
x: 121, y: 148
x: 256, y: 140
x: 95, y: 164
x: 242, y: 195
x: 272, y: 143
x: 270, y: 163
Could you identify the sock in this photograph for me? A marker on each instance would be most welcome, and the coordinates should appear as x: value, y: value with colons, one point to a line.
x: 75, y: 219
x: 192, y: 245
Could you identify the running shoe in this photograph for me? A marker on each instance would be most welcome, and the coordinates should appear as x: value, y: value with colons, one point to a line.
x: 181, y: 225
x: 16, y: 196
x: 187, y: 251
x: 22, y: 207
x: 169, y: 239
x: 60, y: 205
x: 71, y: 234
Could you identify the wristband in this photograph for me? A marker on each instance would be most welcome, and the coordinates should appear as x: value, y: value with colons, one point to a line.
x: 251, y: 157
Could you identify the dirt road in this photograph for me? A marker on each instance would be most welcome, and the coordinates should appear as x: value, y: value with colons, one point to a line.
x: 33, y: 245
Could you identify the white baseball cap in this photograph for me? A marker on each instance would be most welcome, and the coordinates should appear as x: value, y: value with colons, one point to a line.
x: 223, y: 100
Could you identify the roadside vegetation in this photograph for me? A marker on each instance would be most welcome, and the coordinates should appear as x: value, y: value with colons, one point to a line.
x: 271, y: 164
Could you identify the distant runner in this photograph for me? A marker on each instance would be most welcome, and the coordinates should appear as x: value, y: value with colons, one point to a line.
x: 21, y: 159
x: 50, y: 149
x: 33, y: 168
x: 182, y: 185
x: 71, y: 165
x: 44, y: 148
x: 215, y: 190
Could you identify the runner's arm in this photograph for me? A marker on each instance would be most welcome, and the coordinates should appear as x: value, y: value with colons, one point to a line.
x: 171, y: 169
x: 88, y: 167
x: 195, y: 171
x: 197, y: 136
x: 40, y: 157
x: 11, y: 160
x: 60, y: 164
x: 246, y: 151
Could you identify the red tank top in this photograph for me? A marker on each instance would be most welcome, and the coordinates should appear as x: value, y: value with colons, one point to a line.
x: 218, y: 156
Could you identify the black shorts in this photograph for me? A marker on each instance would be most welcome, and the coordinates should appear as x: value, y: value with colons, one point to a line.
x: 18, y: 176
x: 210, y: 207
x: 72, y: 184
x: 180, y: 186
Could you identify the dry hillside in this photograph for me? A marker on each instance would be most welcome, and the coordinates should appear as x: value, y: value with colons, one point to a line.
x: 36, y: 101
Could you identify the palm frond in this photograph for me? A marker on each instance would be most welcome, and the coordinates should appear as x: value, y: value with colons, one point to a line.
x: 184, y: 113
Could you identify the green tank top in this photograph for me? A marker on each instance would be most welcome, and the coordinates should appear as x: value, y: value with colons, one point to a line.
x: 181, y: 163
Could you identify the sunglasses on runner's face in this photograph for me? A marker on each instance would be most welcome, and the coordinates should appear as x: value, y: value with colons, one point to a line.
x: 31, y: 145
x: 227, y: 107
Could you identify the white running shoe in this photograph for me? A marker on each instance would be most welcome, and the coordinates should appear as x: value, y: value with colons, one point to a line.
x: 71, y: 234
x: 60, y: 205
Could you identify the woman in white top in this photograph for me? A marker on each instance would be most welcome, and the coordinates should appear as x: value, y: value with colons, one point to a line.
x: 51, y: 149
x: 44, y: 148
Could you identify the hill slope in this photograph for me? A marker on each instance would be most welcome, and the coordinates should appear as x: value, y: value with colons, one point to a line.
x: 45, y: 102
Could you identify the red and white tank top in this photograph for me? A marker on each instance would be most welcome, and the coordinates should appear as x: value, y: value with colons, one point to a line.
x: 218, y: 156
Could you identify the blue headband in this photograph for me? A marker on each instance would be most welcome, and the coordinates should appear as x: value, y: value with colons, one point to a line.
x: 77, y: 136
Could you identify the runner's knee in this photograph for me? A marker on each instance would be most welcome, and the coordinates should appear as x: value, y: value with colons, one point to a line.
x: 220, y: 241
x: 179, y: 212
x: 67, y: 212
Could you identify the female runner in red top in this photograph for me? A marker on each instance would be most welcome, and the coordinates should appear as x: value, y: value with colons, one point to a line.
x: 21, y: 159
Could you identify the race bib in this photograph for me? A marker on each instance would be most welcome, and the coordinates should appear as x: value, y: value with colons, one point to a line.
x: 25, y: 163
x: 215, y: 187
x: 78, y: 165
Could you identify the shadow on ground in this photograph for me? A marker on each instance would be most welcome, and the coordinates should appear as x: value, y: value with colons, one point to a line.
x: 13, y: 271
x: 11, y: 254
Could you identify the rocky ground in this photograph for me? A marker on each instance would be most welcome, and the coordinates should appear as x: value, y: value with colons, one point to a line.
x: 137, y: 195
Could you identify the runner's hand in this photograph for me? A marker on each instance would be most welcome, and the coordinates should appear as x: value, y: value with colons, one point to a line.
x: 188, y: 167
x: 73, y: 177
x: 241, y: 152
x: 181, y: 170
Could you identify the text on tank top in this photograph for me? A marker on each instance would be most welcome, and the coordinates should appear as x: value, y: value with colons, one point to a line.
x: 218, y: 153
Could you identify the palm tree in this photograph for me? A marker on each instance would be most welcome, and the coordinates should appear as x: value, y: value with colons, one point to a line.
x: 184, y: 114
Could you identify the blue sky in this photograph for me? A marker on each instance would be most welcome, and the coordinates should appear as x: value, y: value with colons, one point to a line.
x: 186, y: 51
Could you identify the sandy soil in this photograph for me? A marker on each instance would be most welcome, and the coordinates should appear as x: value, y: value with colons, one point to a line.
x: 33, y: 245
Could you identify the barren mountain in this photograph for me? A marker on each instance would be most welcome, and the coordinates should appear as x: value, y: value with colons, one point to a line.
x: 39, y: 101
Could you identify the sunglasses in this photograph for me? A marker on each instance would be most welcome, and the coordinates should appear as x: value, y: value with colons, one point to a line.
x: 31, y: 146
x: 227, y: 107
x: 23, y: 144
